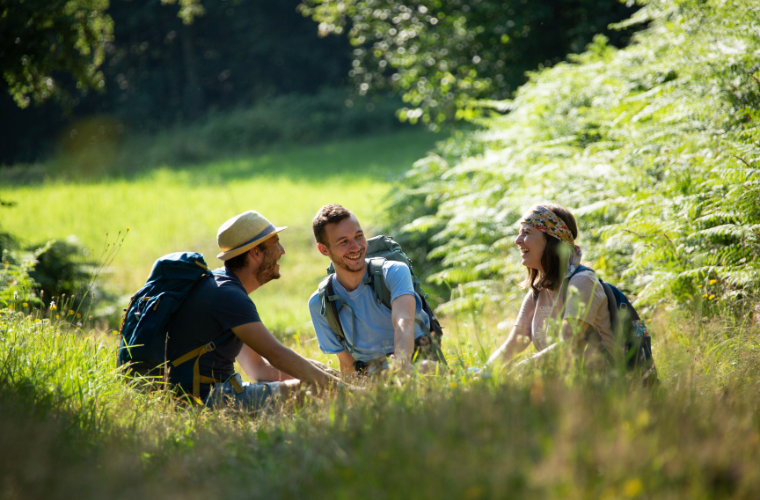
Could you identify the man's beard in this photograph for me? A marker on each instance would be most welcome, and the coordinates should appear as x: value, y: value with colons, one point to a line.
x: 267, y: 271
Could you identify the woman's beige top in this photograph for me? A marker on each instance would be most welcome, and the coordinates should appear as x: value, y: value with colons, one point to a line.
x: 586, y: 301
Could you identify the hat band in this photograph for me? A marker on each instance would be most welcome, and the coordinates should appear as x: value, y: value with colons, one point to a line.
x: 263, y: 233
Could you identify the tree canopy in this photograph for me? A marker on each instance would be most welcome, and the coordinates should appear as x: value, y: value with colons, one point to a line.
x: 42, y: 39
x: 442, y: 55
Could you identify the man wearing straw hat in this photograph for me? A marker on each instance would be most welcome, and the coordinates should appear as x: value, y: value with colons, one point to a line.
x: 219, y: 310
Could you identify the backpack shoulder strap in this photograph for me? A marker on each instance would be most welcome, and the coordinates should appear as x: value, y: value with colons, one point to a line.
x: 612, y: 306
x: 382, y: 292
x: 329, y: 308
x: 566, y: 283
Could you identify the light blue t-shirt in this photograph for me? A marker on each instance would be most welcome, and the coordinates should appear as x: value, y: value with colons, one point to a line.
x: 374, y: 327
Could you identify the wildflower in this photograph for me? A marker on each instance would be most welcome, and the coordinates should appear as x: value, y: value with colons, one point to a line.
x: 71, y: 312
x: 712, y: 282
x: 453, y: 385
x: 79, y: 324
x: 632, y: 488
x: 79, y: 315
x: 25, y: 304
x: 57, y: 316
x: 128, y: 228
x: 704, y: 295
x: 15, y: 296
x: 649, y: 320
x: 699, y: 286
x: 38, y: 320
x: 711, y: 297
x: 53, y: 307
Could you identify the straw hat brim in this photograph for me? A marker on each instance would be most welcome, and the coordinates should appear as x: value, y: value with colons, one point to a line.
x: 224, y: 256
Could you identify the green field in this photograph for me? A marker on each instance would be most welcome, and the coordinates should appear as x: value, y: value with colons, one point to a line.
x: 181, y: 208
x: 71, y: 423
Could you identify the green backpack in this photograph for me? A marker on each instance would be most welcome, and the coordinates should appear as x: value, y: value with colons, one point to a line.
x: 380, y: 249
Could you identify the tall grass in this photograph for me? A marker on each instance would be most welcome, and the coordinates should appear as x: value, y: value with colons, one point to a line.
x: 71, y: 423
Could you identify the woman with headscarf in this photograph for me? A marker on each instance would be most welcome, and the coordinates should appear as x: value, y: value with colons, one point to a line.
x: 565, y: 301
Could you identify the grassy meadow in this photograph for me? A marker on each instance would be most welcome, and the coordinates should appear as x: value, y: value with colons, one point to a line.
x: 180, y: 209
x: 662, y: 214
x: 73, y: 426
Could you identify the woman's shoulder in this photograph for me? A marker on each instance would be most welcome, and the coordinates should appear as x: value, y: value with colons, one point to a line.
x: 583, y: 277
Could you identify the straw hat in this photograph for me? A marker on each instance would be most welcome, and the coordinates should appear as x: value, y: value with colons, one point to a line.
x: 243, y: 232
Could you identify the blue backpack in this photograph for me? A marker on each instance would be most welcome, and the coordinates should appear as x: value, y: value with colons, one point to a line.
x: 144, y: 325
x: 628, y: 329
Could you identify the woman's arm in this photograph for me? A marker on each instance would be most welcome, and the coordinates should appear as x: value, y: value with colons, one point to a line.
x: 573, y: 331
x: 517, y: 341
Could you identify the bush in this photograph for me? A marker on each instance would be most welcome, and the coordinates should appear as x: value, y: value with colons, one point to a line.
x: 654, y: 147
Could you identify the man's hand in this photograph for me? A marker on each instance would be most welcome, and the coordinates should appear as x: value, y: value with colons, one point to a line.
x: 402, y: 317
x: 257, y: 337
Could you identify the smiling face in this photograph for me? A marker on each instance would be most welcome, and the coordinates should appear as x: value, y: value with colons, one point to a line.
x: 531, y: 243
x: 346, y: 245
x: 269, y: 269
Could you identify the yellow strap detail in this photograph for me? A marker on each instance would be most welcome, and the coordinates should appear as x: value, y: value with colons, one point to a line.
x: 236, y: 385
x: 190, y: 355
x: 197, y: 353
x: 204, y: 267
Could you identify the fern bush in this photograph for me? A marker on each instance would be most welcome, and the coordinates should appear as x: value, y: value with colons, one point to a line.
x: 654, y: 147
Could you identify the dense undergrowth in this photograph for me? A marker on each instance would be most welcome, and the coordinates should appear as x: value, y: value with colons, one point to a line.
x: 654, y: 147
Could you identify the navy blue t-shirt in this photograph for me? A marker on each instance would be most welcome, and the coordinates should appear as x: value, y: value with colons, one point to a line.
x: 216, y: 304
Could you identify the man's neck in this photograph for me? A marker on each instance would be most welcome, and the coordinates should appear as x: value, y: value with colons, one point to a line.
x: 247, y: 278
x: 350, y: 279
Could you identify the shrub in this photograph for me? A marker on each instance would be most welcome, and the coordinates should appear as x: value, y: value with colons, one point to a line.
x: 653, y: 147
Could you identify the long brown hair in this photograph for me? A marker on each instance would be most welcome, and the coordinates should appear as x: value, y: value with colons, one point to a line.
x: 555, y: 258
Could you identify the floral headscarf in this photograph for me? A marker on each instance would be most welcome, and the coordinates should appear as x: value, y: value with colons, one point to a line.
x: 547, y: 222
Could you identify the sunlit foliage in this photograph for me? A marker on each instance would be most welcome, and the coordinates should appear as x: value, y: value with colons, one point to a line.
x: 653, y: 146
x: 442, y: 54
x: 43, y: 37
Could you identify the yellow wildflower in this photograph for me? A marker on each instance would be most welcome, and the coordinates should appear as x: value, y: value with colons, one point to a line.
x: 704, y: 295
x: 633, y: 488
x: 57, y: 316
x: 712, y: 282
x: 38, y: 321
x: 79, y: 315
x: 128, y: 228
x: 25, y: 304
x: 699, y: 286
x: 453, y: 385
x: 711, y: 297
x: 71, y: 312
x: 53, y: 307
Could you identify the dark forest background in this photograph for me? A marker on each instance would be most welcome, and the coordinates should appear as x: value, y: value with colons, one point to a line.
x: 161, y: 72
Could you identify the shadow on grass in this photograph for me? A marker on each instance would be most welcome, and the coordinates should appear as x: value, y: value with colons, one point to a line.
x: 380, y: 156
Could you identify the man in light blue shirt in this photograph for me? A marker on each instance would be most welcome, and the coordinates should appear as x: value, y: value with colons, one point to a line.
x: 372, y: 331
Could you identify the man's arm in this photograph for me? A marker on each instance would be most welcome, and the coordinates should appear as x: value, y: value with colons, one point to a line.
x: 257, y: 368
x: 346, y: 362
x: 257, y: 337
x: 402, y: 316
